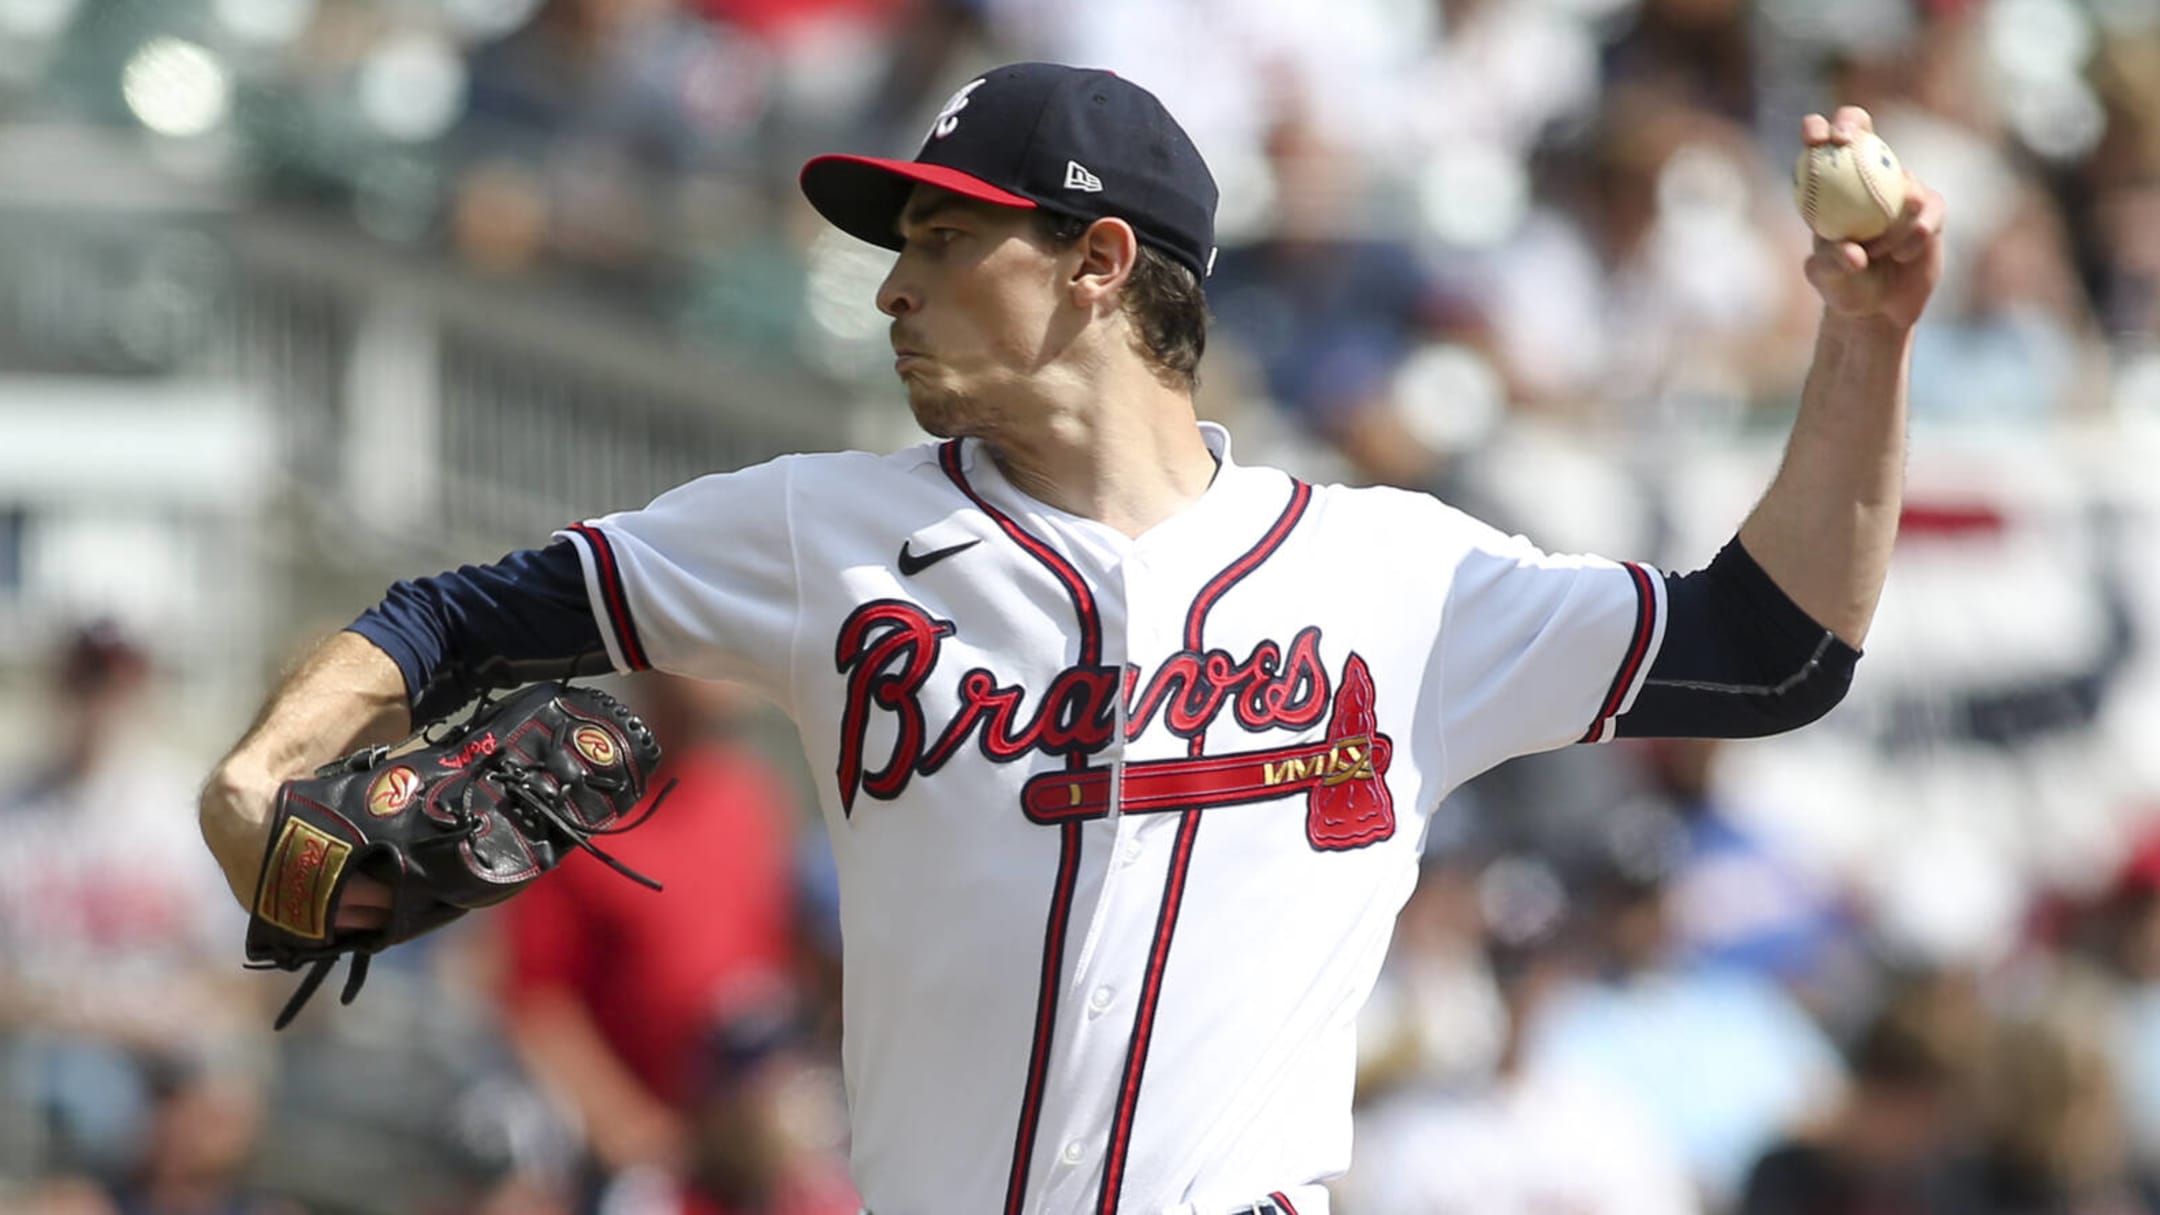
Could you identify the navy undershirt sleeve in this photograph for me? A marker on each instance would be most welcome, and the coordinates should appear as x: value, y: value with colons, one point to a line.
x: 1740, y: 658
x: 524, y: 618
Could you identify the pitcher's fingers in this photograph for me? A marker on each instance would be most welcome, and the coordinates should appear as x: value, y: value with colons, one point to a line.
x: 365, y: 904
x: 1917, y: 226
x: 1853, y: 119
x: 1814, y: 129
x: 1839, y: 257
x: 360, y: 919
x: 1833, y: 263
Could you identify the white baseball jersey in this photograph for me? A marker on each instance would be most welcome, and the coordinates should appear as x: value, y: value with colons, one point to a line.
x: 1122, y: 825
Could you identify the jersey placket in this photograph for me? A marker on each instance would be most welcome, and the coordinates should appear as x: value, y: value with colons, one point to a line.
x: 1094, y: 1036
x: 1142, y: 895
x: 1052, y: 1017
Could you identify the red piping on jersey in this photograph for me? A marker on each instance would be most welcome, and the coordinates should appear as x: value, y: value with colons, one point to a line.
x: 1060, y: 914
x: 618, y: 602
x: 1638, y: 649
x: 1121, y: 1123
x: 1076, y: 587
x: 1235, y: 572
x: 1046, y: 1009
x: 1283, y: 1202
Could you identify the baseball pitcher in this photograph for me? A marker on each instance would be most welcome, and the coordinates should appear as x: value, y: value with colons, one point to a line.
x: 1126, y: 748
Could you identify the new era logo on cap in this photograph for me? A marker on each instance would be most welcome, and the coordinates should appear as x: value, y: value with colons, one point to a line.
x: 1069, y: 140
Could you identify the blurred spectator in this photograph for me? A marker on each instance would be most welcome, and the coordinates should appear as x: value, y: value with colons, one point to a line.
x: 766, y: 1127
x: 1342, y: 66
x: 1736, y: 901
x: 65, y: 1195
x: 1514, y: 1139
x: 2019, y: 346
x: 1502, y: 75
x: 2054, y: 1140
x: 583, y: 132
x: 1755, y: 1063
x: 1331, y: 311
x: 769, y: 1122
x: 2118, y: 228
x: 1655, y: 279
x: 1435, y: 1016
x: 932, y: 45
x: 1900, y: 1141
x: 2109, y: 944
x: 1700, y: 53
x: 612, y: 989
x: 204, y: 1131
x: 119, y: 945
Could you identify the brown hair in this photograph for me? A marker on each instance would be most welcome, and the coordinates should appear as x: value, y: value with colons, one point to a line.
x: 1162, y: 298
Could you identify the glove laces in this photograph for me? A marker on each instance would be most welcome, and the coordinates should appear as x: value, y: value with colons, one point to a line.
x: 525, y: 788
x: 314, y: 979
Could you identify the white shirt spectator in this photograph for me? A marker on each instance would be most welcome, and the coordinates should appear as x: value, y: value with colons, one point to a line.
x: 107, y: 895
x: 1540, y: 1144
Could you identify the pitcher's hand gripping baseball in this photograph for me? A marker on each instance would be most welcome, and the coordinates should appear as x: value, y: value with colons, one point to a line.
x: 1882, y: 269
x: 462, y: 823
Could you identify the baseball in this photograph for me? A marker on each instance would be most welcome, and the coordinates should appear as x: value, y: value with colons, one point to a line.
x: 1849, y: 191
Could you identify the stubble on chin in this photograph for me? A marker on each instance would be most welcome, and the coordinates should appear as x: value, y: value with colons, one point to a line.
x: 940, y: 411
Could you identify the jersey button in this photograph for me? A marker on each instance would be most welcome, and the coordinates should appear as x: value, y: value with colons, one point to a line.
x: 1072, y: 1153
x: 1132, y: 851
x: 1100, y: 998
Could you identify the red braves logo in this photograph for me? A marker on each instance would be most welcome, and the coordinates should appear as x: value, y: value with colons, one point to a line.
x: 888, y: 649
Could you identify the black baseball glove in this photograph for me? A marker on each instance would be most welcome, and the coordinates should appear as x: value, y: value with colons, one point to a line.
x: 462, y: 822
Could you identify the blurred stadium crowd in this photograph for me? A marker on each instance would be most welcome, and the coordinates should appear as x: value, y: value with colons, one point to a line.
x: 1536, y: 256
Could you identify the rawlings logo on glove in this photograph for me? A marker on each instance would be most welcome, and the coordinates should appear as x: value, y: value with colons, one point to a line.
x: 464, y: 822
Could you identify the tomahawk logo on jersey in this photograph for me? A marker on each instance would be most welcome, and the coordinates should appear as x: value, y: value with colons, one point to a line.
x: 1093, y: 797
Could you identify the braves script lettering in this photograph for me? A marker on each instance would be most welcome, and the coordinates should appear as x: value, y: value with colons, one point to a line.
x: 888, y: 648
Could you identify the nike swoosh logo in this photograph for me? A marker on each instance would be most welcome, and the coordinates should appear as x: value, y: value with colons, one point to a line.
x: 910, y: 564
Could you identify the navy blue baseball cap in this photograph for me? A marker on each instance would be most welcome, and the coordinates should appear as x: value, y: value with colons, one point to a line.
x: 1074, y: 141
